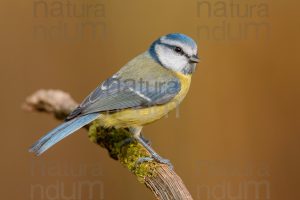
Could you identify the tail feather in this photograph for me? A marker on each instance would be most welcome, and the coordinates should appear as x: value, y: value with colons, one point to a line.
x: 60, y: 132
x: 46, y: 137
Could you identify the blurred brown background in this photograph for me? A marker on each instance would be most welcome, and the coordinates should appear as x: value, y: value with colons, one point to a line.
x: 237, y: 136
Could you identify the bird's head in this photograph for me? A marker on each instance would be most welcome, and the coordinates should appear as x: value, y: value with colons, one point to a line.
x: 176, y: 52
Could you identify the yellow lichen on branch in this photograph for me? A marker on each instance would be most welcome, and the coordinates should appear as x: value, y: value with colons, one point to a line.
x: 121, y: 146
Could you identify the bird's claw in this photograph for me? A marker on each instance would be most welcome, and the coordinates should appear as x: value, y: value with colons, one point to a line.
x: 154, y: 158
x: 164, y: 161
x: 142, y: 160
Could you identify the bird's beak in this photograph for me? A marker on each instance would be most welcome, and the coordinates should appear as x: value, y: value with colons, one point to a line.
x: 194, y: 59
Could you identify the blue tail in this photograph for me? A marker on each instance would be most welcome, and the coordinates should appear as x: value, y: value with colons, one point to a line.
x: 60, y: 132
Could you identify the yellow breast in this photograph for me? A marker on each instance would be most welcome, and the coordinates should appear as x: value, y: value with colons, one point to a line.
x: 143, y: 116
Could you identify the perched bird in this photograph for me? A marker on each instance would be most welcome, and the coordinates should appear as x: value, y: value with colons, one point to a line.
x: 143, y: 91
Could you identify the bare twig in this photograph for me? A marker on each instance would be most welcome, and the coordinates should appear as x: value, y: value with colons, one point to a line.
x: 162, y: 181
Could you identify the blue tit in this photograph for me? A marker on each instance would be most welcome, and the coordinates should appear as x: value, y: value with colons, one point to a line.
x: 146, y: 89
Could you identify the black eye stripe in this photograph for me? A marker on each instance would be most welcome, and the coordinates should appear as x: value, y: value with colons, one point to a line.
x: 174, y: 47
x: 180, y: 51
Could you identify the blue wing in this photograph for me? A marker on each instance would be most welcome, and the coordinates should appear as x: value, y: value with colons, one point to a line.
x: 135, y: 86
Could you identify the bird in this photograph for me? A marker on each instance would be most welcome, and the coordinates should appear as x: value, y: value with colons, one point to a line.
x: 143, y: 91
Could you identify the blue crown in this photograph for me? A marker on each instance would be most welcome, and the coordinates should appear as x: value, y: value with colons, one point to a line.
x: 182, y: 38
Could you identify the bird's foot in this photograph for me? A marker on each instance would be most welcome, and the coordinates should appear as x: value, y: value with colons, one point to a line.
x: 147, y: 141
x: 144, y: 142
x: 156, y: 158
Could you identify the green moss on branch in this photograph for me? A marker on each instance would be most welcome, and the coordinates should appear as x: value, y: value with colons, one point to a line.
x: 128, y: 153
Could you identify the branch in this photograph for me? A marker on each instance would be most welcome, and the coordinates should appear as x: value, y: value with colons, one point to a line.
x: 159, y: 178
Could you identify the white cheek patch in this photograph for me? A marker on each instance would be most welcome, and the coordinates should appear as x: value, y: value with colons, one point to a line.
x: 170, y: 59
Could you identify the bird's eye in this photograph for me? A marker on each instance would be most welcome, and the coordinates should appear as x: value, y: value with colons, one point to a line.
x: 178, y: 50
